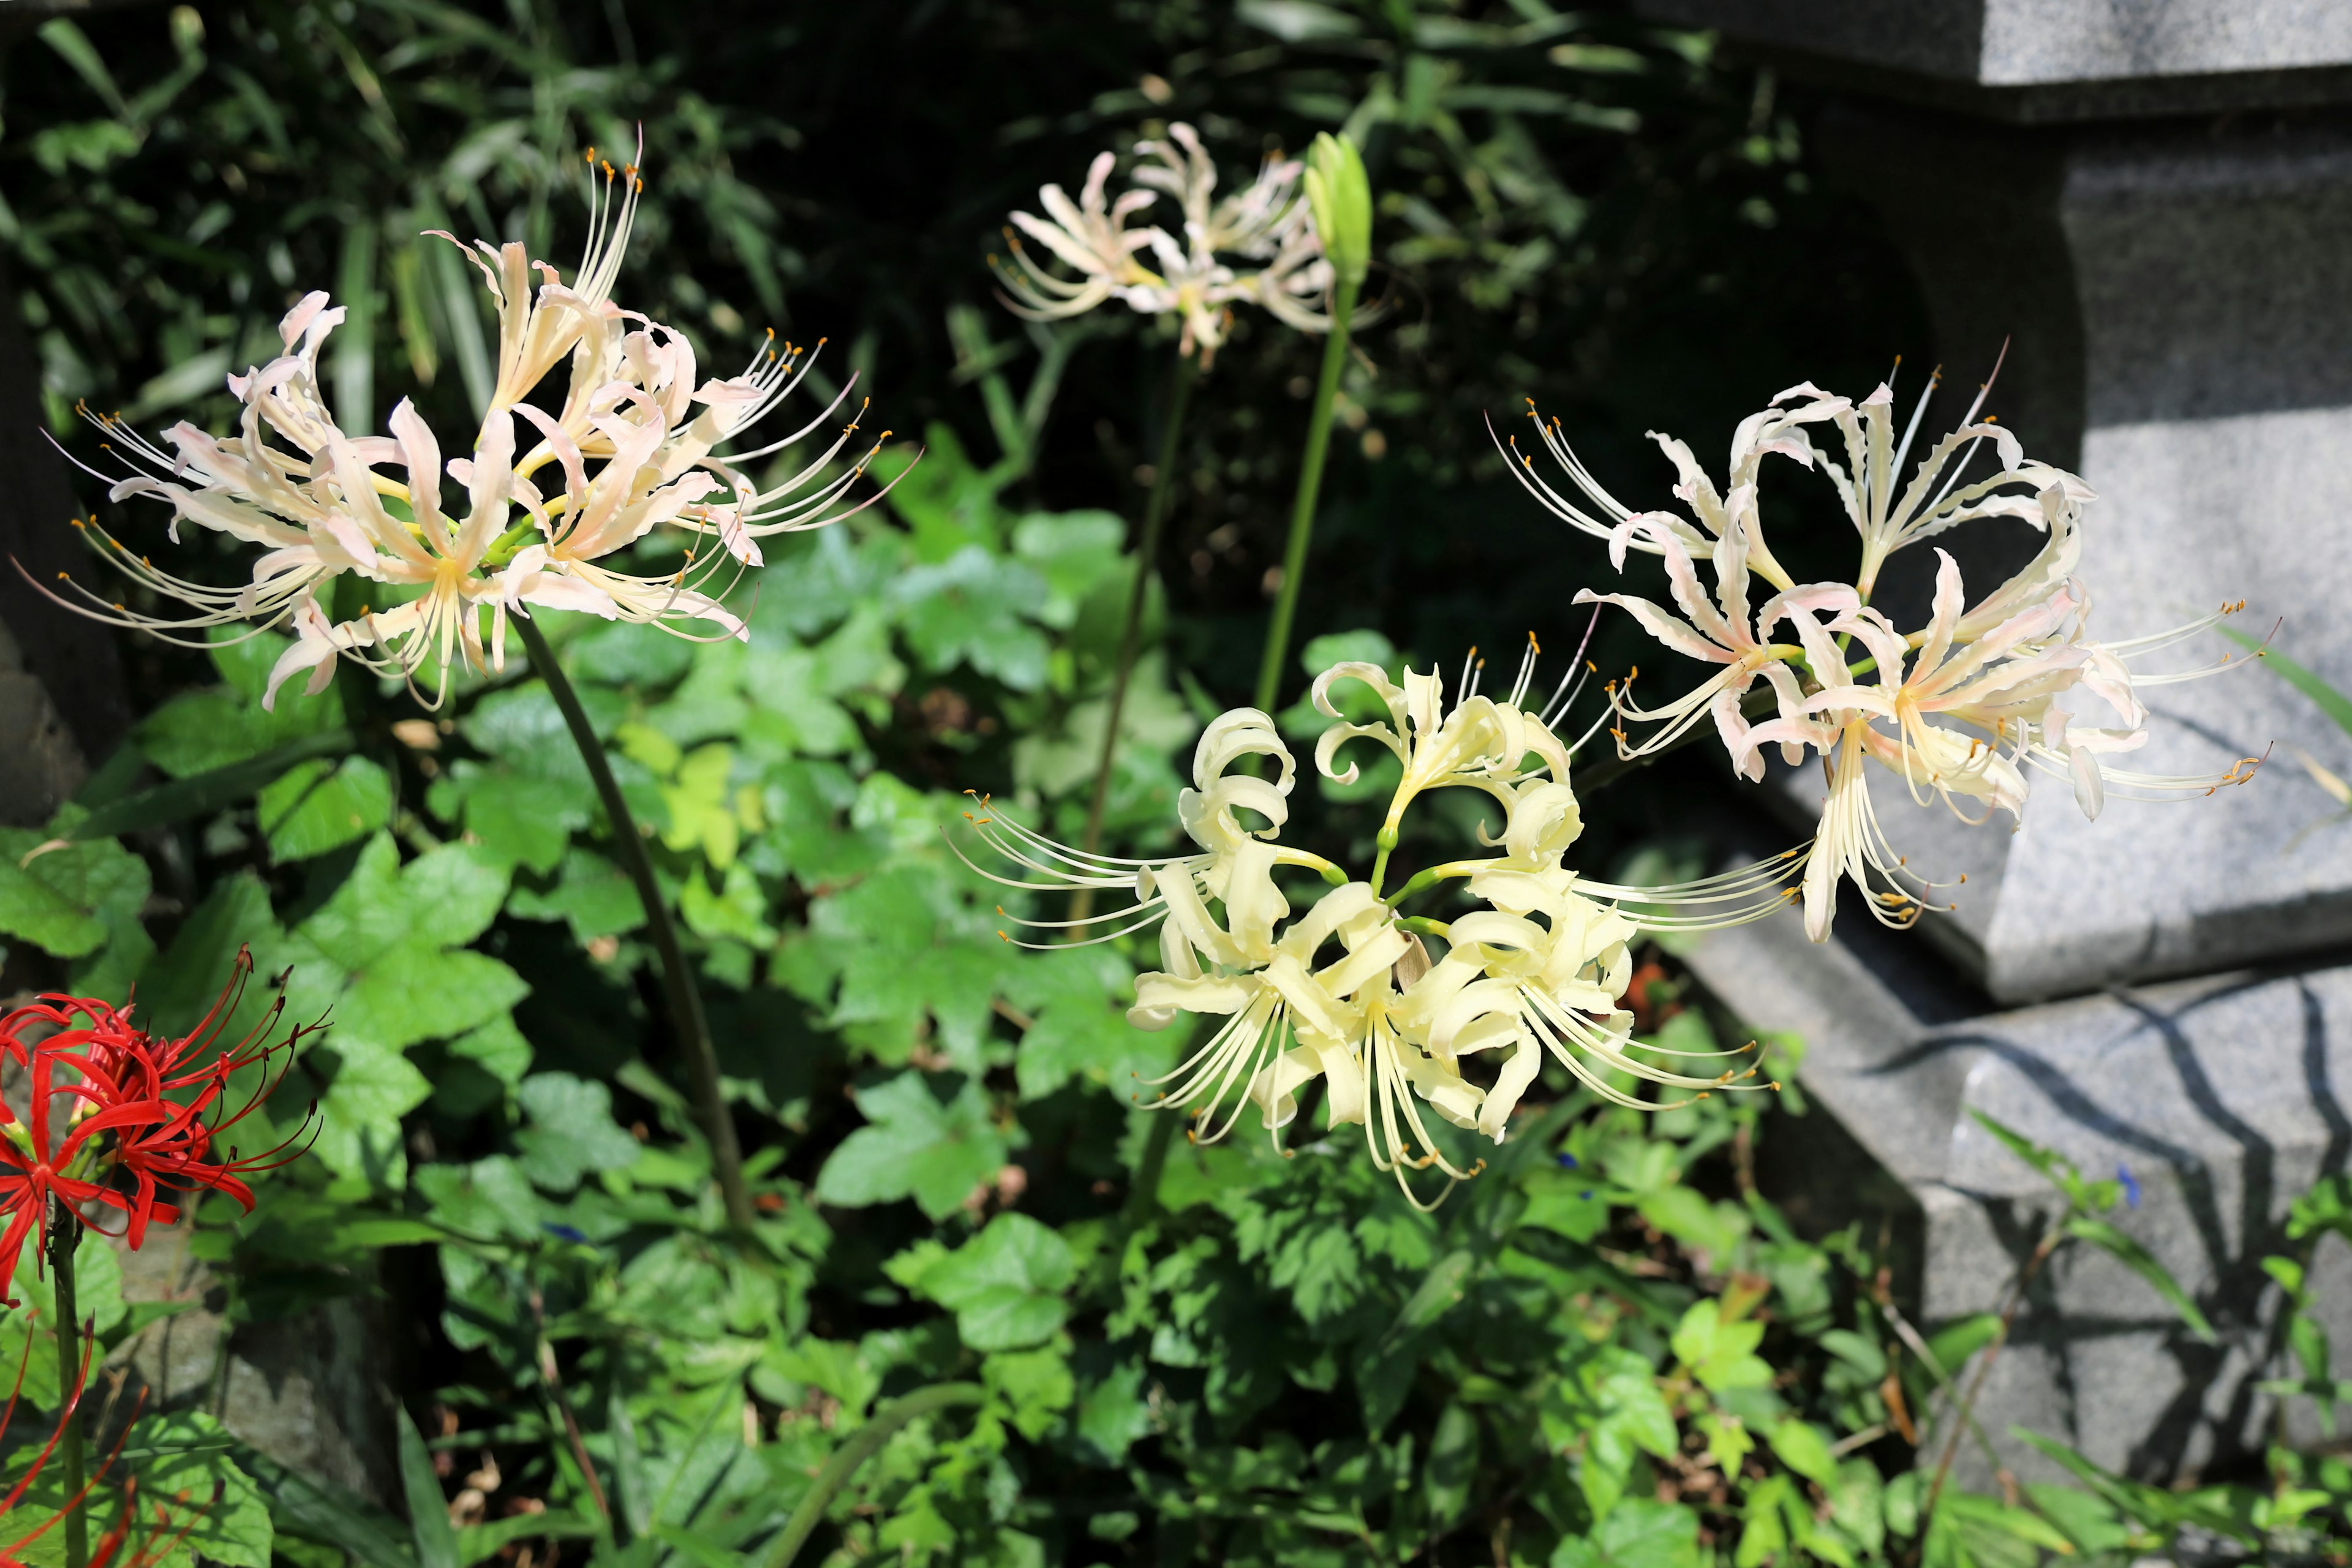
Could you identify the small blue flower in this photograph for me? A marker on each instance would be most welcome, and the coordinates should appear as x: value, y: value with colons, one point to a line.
x: 565, y: 1233
x: 2131, y: 1187
x: 1586, y: 1194
x: 1568, y: 1162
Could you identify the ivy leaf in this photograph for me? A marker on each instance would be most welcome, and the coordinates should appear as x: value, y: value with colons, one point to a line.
x: 914, y: 1145
x: 68, y: 901
x: 1112, y: 1415
x: 592, y: 895
x: 191, y: 1453
x: 1004, y: 1284
x: 416, y: 991
x: 1035, y: 1384
x: 372, y: 1087
x: 319, y: 806
x: 1722, y: 1355
x: 571, y: 1131
x: 971, y: 609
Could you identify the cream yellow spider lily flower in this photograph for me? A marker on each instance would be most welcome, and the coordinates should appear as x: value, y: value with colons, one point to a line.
x: 635, y: 443
x: 1176, y: 886
x: 1345, y: 991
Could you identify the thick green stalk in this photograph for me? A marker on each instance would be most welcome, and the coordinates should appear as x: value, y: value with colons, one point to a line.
x: 856, y: 1452
x: 1130, y: 640
x: 64, y: 1231
x: 1310, y: 483
x: 688, y: 1021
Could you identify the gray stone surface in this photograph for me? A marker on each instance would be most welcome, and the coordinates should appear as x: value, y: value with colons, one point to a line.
x: 2180, y: 309
x: 2223, y: 1097
x: 2176, y: 295
x: 40, y: 765
x: 310, y: 1390
x: 2056, y: 58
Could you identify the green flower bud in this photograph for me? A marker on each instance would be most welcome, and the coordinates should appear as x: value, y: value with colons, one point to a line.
x: 1340, y: 197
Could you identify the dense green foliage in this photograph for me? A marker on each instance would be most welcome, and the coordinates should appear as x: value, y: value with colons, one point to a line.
x: 1609, y: 1349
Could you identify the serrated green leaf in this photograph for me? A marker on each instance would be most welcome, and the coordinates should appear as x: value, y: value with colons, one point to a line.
x: 915, y: 1146
x: 571, y: 1131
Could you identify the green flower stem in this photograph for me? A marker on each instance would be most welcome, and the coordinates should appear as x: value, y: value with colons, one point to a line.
x: 687, y: 1020
x: 1147, y: 557
x: 1310, y: 483
x: 64, y: 1231
x: 856, y: 1452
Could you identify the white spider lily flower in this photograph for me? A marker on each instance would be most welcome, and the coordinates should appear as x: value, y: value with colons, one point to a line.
x: 635, y: 442
x: 1935, y: 500
x: 1998, y: 686
x: 1257, y: 246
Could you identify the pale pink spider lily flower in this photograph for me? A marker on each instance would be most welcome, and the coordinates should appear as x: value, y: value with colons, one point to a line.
x: 1257, y: 246
x: 636, y: 445
x: 1717, y: 510
x: 1090, y: 237
x: 1717, y: 629
x: 1887, y: 518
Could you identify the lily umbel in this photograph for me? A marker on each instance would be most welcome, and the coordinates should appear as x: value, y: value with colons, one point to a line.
x: 530, y: 517
x: 1347, y: 989
x: 1258, y: 246
x: 1959, y: 708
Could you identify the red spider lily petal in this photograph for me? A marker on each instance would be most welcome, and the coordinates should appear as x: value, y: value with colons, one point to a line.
x: 151, y: 1107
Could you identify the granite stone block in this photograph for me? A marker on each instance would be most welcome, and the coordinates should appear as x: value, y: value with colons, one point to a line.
x: 2224, y: 1098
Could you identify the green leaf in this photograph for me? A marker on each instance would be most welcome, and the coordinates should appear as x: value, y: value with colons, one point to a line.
x: 593, y: 896
x: 1722, y: 1355
x: 374, y: 1086
x: 971, y: 609
x: 316, y: 806
x: 571, y: 1131
x: 1639, y: 1532
x: 1952, y: 1344
x: 1005, y: 1284
x: 69, y: 901
x: 454, y: 892
x: 1113, y: 1416
x: 915, y: 1146
x: 1036, y: 1386
x: 2142, y: 1262
x: 1803, y: 1449
x: 2329, y: 701
x: 414, y: 991
x: 206, y: 793
x: 2017, y: 1144
x: 428, y: 1512
x: 321, y: 1511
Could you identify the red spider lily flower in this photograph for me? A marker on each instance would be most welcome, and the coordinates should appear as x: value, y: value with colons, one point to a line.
x: 106, y: 1099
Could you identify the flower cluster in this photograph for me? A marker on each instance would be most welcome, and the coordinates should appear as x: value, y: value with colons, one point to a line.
x: 529, y: 518
x: 1347, y: 991
x: 99, y: 1114
x: 1257, y: 247
x: 1959, y: 708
